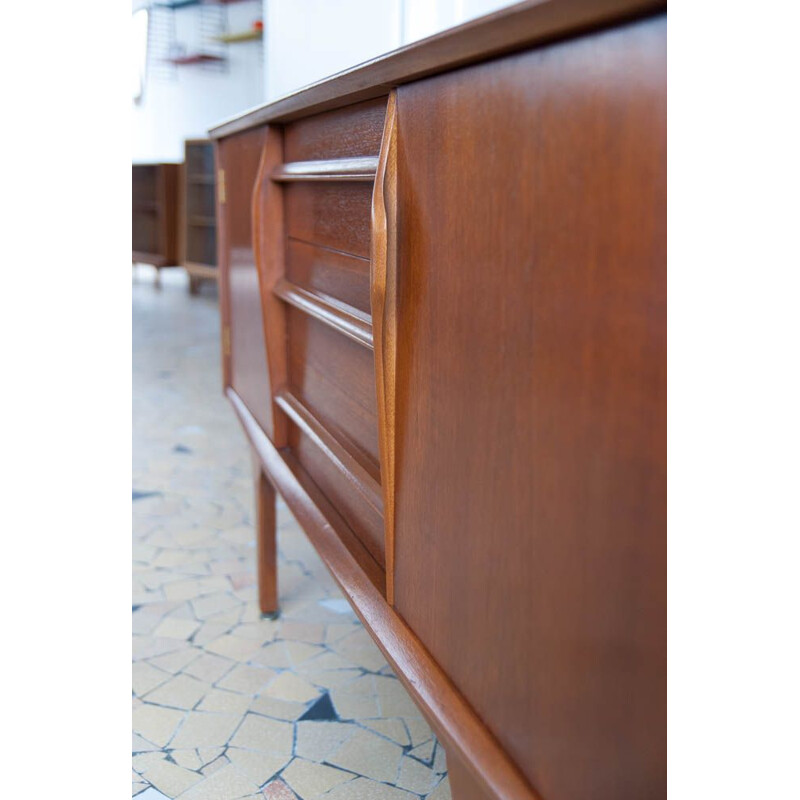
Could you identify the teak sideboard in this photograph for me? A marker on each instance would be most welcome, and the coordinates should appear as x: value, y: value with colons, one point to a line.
x: 443, y: 298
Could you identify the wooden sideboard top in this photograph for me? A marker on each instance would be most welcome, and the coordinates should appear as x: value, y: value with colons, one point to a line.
x: 513, y: 28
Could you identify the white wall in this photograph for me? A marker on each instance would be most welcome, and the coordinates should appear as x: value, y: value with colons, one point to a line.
x: 307, y: 40
x: 171, y: 111
x: 423, y: 18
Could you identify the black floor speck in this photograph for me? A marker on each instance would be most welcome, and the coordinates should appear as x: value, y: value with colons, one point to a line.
x: 142, y: 495
x: 181, y: 448
x: 322, y: 710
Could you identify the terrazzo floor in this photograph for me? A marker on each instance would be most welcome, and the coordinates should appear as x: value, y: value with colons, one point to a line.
x: 227, y: 705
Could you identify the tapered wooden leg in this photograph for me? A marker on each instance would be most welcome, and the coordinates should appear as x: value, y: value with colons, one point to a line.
x: 194, y: 284
x: 266, y: 544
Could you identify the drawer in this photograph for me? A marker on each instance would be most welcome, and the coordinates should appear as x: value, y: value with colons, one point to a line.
x: 328, y: 272
x: 322, y: 175
x: 332, y: 215
x: 334, y: 377
x: 357, y: 501
x: 347, y: 132
x: 333, y: 430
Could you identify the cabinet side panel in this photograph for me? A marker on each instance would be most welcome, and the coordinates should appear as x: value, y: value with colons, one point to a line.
x: 530, y: 538
x: 238, y: 157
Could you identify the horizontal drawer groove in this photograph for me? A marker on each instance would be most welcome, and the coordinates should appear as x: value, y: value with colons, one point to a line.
x: 350, y: 468
x: 329, y: 249
x: 346, y: 320
x: 335, y: 169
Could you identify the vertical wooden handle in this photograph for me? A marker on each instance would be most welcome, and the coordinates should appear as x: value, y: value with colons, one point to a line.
x: 383, y: 297
x: 268, y: 249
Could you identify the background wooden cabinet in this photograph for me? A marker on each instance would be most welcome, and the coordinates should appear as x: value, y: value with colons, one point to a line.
x: 199, y: 212
x: 156, y: 214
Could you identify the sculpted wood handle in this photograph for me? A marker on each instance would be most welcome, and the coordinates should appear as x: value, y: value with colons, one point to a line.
x: 267, y: 209
x: 383, y: 297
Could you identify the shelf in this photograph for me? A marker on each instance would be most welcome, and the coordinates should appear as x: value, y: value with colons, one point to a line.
x: 176, y: 4
x: 196, y: 58
x: 241, y: 36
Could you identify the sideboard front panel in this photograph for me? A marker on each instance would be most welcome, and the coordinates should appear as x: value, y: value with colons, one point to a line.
x: 530, y: 413
x: 313, y: 208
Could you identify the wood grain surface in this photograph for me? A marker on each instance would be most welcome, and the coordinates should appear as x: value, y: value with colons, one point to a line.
x: 328, y: 272
x: 335, y: 377
x: 345, y: 133
x: 531, y: 393
x: 332, y: 215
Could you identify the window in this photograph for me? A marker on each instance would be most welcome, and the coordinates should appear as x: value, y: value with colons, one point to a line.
x: 139, y: 52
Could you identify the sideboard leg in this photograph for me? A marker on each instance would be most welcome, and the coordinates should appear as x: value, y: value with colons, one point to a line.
x: 462, y: 785
x: 266, y: 545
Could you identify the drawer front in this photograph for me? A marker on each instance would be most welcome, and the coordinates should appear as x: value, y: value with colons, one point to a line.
x: 344, y: 133
x: 335, y: 379
x: 360, y: 508
x: 327, y: 272
x: 333, y: 215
